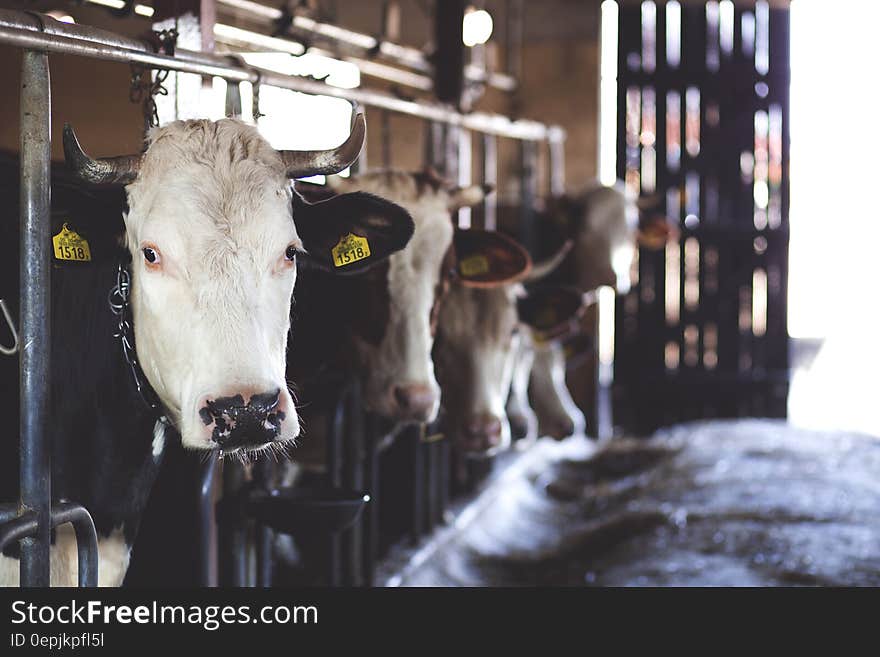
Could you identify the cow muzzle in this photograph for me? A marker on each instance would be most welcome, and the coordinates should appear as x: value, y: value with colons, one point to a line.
x: 415, y: 402
x: 483, y: 433
x: 247, y: 419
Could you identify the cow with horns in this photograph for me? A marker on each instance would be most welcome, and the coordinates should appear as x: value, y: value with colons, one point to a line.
x: 200, y: 270
x: 378, y: 327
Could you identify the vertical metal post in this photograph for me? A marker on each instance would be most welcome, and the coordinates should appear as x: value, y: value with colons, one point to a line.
x: 35, y: 459
x: 528, y: 190
x: 415, y: 434
x: 490, y: 177
x: 556, y: 179
x: 232, y: 532
x: 371, y: 512
x: 463, y: 175
x: 207, y: 525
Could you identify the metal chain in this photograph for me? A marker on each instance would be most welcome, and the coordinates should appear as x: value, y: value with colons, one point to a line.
x: 145, y: 87
x: 255, y: 99
x: 118, y: 300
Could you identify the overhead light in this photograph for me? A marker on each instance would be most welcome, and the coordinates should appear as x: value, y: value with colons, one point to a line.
x: 61, y: 16
x: 477, y: 27
x: 113, y: 4
x: 143, y: 10
x: 228, y: 33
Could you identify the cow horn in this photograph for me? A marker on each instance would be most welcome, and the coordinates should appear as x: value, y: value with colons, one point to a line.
x: 547, y: 266
x: 102, y: 170
x: 301, y: 164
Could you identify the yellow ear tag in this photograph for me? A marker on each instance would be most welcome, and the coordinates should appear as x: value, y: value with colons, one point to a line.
x: 70, y: 245
x: 350, y: 248
x: 475, y: 265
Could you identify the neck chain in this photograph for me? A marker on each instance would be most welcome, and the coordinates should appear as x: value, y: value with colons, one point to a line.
x: 118, y: 299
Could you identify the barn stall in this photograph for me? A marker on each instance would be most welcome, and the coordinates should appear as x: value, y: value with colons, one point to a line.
x: 662, y: 471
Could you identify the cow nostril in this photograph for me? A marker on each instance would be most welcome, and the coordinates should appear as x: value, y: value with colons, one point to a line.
x: 485, y: 426
x: 414, y: 398
x: 401, y: 396
x: 265, y: 402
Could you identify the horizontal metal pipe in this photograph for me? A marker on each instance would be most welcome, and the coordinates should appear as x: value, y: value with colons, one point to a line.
x: 402, y: 55
x: 18, y: 528
x: 214, y: 65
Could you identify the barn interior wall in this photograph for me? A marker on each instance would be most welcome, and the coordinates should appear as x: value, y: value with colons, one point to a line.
x: 90, y: 95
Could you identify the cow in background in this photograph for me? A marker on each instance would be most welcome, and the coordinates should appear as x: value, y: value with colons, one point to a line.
x: 605, y: 225
x: 201, y: 269
x: 483, y: 325
x: 380, y: 326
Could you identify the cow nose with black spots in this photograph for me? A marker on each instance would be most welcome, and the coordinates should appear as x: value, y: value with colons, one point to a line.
x: 247, y: 418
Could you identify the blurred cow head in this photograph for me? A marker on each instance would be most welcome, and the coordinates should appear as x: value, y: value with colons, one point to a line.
x: 607, y: 225
x: 214, y: 232
x: 395, y: 346
x: 478, y: 336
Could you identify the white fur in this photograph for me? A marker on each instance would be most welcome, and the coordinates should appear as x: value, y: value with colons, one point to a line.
x: 404, y: 355
x: 158, y: 438
x: 518, y: 407
x: 477, y: 352
x: 549, y: 395
x: 214, y: 199
x: 113, y: 558
x: 605, y: 244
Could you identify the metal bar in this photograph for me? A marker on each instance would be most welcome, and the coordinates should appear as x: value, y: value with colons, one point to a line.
x: 18, y: 529
x: 365, y: 44
x: 35, y: 457
x: 417, y: 521
x: 264, y: 536
x: 528, y: 191
x: 490, y: 177
x: 232, y: 533
x: 207, y: 525
x: 25, y: 526
x: 8, y: 511
x: 371, y: 512
x: 556, y: 161
x: 86, y: 540
x: 62, y: 41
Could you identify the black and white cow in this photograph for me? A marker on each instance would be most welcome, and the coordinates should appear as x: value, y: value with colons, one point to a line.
x: 211, y: 239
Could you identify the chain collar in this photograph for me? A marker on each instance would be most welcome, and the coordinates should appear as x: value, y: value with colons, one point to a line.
x: 119, y: 306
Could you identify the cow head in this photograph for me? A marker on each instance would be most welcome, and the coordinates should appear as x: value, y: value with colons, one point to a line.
x: 478, y: 335
x: 607, y: 226
x: 214, y: 233
x: 395, y: 346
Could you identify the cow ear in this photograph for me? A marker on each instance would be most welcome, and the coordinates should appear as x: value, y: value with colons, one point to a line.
x: 551, y: 311
x: 465, y: 197
x: 349, y: 233
x: 654, y: 231
x: 487, y: 258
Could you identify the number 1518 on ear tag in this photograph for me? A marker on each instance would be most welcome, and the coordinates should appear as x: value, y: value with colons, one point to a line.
x: 350, y: 248
x: 70, y: 245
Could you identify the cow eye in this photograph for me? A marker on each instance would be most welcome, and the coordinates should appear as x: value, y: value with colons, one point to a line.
x: 290, y: 253
x: 150, y: 255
